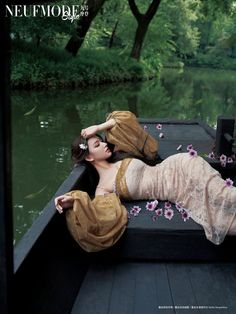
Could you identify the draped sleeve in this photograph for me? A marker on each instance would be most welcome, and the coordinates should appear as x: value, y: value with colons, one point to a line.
x: 127, y: 135
x: 96, y: 224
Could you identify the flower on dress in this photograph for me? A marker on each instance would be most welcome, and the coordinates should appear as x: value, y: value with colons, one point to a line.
x: 223, y: 158
x: 159, y: 126
x: 189, y: 147
x: 229, y: 160
x: 145, y: 127
x: 161, y: 135
x: 83, y: 146
x: 151, y: 205
x: 135, y: 210
x: 179, y: 147
x: 211, y: 155
x: 229, y: 182
x: 169, y: 213
x: 167, y: 205
x: 179, y: 206
x: 185, y: 215
x: 192, y: 153
x: 159, y: 211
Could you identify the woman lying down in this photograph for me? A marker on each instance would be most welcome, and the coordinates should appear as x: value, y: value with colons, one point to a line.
x: 181, y: 178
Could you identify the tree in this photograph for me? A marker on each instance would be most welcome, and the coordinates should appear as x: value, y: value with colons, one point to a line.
x: 143, y: 21
x: 83, y: 26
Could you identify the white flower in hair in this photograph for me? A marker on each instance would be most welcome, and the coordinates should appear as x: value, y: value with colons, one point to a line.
x: 83, y: 146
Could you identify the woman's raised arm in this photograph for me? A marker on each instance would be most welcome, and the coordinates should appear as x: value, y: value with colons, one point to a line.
x: 92, y: 130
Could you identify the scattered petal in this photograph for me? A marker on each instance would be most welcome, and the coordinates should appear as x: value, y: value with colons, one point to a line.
x: 145, y: 127
x: 159, y: 126
x: 179, y: 206
x: 179, y: 147
x: 156, y: 202
x: 161, y: 135
x: 229, y: 182
x: 192, y: 153
x: 230, y: 160
x: 154, y: 217
x: 135, y: 210
x: 151, y: 205
x: 223, y: 158
x: 223, y: 163
x: 169, y: 213
x: 167, y: 205
x: 189, y: 147
x: 211, y: 155
x: 185, y: 215
x: 159, y: 211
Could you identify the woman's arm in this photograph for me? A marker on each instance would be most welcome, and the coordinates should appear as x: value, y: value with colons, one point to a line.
x: 92, y: 130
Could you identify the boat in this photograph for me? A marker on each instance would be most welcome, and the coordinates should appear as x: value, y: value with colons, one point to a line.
x: 155, y: 267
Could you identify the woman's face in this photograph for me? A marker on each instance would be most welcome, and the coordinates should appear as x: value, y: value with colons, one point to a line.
x: 98, y: 150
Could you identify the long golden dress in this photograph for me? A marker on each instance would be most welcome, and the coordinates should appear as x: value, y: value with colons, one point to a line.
x: 189, y: 180
x: 186, y: 180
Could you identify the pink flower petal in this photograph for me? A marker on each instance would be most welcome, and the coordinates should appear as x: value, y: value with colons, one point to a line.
x: 211, y: 155
x: 185, y: 215
x: 151, y: 206
x: 192, y: 153
x: 223, y: 163
x: 167, y: 205
x: 169, y: 213
x: 159, y: 211
x: 159, y: 126
x: 229, y: 182
x: 223, y: 158
x: 190, y: 146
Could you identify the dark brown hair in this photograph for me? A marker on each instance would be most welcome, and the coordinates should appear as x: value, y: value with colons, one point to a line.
x: 78, y: 154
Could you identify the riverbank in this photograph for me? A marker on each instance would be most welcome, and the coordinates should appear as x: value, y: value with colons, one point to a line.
x: 46, y: 68
x: 39, y: 68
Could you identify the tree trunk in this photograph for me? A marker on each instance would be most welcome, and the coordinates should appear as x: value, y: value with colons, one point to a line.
x: 83, y: 25
x: 138, y: 41
x: 143, y: 21
x: 113, y: 34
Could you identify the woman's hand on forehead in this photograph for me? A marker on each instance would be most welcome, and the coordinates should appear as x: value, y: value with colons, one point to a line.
x: 90, y: 131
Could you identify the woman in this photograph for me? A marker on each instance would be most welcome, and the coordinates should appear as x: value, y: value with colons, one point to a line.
x: 183, y: 178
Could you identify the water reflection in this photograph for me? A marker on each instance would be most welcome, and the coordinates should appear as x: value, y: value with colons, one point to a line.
x: 45, y: 123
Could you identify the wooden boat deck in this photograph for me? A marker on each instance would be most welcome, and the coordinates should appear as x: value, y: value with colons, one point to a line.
x: 142, y: 271
x: 137, y: 288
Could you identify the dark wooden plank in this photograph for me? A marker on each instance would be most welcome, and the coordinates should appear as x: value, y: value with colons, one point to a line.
x: 181, y: 288
x: 122, y: 297
x: 127, y: 288
x: 164, y: 296
x: 145, y: 300
x: 6, y: 234
x: 95, y: 292
x: 214, y: 285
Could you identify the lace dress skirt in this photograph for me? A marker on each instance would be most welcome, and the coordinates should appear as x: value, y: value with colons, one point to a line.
x: 189, y: 181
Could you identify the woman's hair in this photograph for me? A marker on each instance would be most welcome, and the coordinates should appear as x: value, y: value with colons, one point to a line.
x: 79, y: 151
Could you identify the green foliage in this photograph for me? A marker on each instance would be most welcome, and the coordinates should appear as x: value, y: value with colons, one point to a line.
x: 180, y: 33
x: 50, y: 67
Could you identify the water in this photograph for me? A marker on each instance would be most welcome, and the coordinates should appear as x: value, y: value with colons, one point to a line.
x: 45, y: 123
